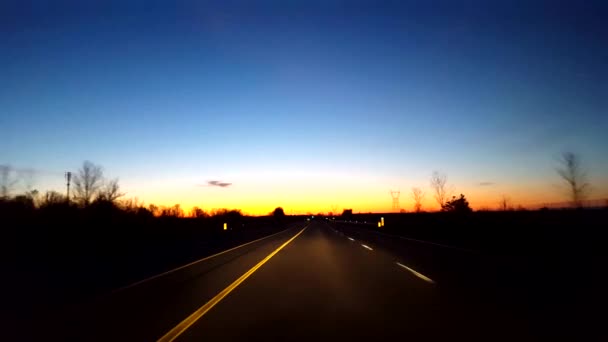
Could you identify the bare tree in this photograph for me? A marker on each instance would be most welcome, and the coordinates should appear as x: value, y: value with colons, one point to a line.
x: 572, y: 173
x: 439, y: 184
x: 52, y: 198
x: 131, y: 204
x: 155, y: 210
x: 505, y: 203
x: 418, y: 196
x: 174, y: 211
x: 197, y: 212
x: 110, y: 191
x: 8, y: 180
x: 35, y: 196
x: 87, y: 183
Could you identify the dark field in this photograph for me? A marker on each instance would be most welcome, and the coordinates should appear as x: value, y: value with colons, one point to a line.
x: 537, y: 268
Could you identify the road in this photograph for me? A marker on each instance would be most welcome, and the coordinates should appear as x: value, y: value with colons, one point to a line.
x: 312, y: 281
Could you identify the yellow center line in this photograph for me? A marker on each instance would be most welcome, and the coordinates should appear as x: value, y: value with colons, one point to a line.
x: 196, y: 315
x: 194, y: 263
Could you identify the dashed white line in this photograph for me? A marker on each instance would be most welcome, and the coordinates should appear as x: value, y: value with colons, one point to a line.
x: 417, y: 274
x: 367, y: 247
x: 351, y: 239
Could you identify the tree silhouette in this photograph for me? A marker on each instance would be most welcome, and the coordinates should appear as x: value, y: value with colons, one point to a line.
x: 87, y: 182
x: 110, y: 191
x: 52, y: 198
x: 24, y: 202
x: 174, y: 211
x: 573, y: 174
x: 505, y: 203
x: 418, y: 196
x: 439, y: 184
x: 278, y: 213
x: 155, y: 210
x: 457, y: 205
x: 198, y: 212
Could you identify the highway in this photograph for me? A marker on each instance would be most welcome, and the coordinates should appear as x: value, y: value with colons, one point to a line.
x: 312, y: 281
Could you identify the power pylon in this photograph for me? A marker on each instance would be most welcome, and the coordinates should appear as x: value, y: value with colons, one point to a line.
x: 395, y: 195
x: 334, y: 210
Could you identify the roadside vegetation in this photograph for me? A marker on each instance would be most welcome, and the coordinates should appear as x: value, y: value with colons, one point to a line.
x: 97, y: 239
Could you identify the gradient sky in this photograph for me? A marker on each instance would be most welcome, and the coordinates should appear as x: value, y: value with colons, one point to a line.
x: 307, y: 104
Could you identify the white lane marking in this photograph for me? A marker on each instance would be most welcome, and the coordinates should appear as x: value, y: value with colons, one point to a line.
x: 351, y: 239
x: 417, y: 274
x: 368, y: 247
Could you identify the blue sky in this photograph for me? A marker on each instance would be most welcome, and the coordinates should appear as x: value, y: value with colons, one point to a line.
x: 331, y: 102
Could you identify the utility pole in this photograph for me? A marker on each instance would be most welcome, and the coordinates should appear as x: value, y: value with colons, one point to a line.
x: 68, y: 178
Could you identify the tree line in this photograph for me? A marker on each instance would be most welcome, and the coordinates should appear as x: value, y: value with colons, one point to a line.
x: 569, y: 168
x: 89, y: 189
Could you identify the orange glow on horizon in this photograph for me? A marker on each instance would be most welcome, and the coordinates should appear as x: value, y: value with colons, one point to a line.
x: 319, y: 195
x: 303, y: 208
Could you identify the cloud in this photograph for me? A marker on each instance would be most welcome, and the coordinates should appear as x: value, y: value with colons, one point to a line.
x: 218, y: 183
x: 486, y: 183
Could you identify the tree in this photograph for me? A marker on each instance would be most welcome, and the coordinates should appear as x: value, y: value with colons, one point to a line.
x: 573, y: 174
x: 177, y: 211
x: 52, y: 198
x: 457, y: 205
x: 197, y: 212
x: 87, y: 182
x: 505, y: 203
x: 8, y: 180
x: 24, y: 202
x: 174, y: 211
x: 131, y: 205
x: 439, y: 185
x: 155, y: 210
x: 110, y: 191
x: 278, y: 213
x: 418, y: 196
x: 33, y: 194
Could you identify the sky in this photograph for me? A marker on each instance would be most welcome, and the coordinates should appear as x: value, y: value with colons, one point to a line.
x: 307, y: 105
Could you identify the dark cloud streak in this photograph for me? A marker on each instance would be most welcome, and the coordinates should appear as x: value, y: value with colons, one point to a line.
x: 216, y: 183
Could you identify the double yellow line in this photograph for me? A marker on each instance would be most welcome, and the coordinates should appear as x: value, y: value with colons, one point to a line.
x: 196, y: 315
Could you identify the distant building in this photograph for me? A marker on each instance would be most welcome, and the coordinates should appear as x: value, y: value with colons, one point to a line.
x: 347, y: 213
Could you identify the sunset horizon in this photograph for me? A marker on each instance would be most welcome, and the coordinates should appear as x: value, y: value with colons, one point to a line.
x: 267, y: 170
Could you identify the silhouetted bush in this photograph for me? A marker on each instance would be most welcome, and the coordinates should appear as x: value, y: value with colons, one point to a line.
x: 278, y: 213
x: 457, y: 205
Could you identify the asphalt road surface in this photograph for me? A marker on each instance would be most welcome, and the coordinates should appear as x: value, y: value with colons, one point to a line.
x: 314, y: 281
